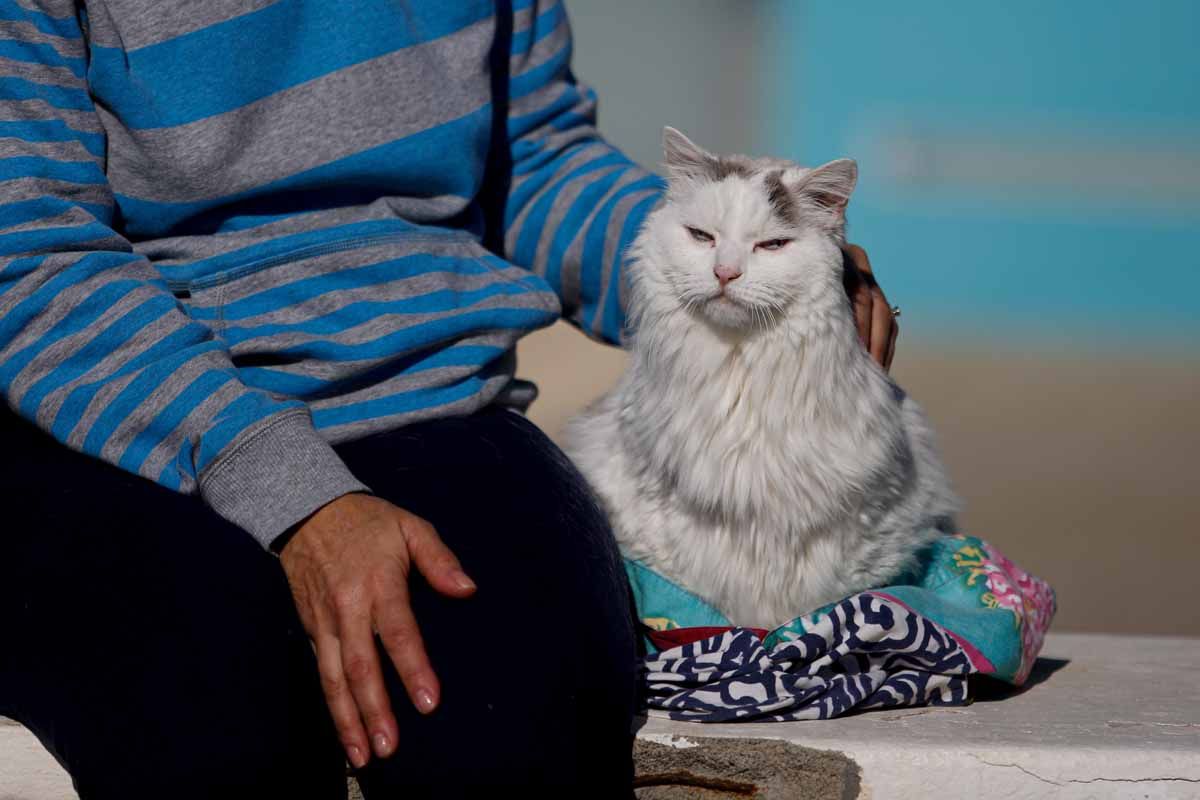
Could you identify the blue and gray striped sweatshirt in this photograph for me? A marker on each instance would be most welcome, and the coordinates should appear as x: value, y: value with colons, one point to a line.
x: 234, y: 232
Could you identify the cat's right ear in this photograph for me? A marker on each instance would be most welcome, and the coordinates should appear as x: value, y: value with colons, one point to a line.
x: 683, y: 157
x: 829, y: 186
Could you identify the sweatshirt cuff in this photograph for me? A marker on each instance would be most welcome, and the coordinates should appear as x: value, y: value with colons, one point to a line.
x: 275, y: 477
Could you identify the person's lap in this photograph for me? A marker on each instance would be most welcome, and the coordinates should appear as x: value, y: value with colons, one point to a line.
x: 154, y: 648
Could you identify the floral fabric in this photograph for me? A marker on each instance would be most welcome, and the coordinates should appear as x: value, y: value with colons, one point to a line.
x: 966, y: 610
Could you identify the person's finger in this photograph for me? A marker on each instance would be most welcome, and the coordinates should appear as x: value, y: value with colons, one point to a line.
x: 879, y: 334
x: 863, y: 319
x: 360, y: 665
x: 402, y: 640
x: 861, y: 260
x: 881, y: 326
x: 434, y: 560
x: 859, y: 284
x: 342, y: 707
x: 891, y: 354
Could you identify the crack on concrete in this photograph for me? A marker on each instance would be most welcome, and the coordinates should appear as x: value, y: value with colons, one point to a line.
x: 895, y: 717
x: 1031, y: 774
x: 1135, y: 780
x: 919, y: 713
x: 1066, y: 781
x: 1121, y: 723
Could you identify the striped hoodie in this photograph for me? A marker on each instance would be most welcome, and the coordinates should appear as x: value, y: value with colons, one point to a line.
x: 235, y: 232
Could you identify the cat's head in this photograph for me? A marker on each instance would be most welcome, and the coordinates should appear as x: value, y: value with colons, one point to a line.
x: 741, y: 241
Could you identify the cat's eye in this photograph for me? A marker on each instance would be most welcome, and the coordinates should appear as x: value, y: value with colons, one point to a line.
x: 700, y: 236
x: 771, y: 244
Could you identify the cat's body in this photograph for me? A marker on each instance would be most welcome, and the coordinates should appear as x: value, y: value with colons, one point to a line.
x: 753, y: 452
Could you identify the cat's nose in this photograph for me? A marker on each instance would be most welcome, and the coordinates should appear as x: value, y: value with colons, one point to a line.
x: 726, y: 273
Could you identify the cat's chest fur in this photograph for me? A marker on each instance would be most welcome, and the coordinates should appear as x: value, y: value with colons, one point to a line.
x: 747, y: 469
x: 785, y: 429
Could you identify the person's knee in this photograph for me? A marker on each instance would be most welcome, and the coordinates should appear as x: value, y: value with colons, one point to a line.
x: 527, y: 737
x: 538, y: 667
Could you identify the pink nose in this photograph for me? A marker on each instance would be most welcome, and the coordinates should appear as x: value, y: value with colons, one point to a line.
x: 726, y: 273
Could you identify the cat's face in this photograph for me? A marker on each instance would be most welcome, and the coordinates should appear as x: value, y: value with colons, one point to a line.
x: 740, y: 241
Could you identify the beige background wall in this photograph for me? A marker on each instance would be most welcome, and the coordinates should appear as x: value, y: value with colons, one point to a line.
x: 1081, y: 465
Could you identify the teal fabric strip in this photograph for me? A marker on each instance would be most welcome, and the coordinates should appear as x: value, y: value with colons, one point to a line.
x: 663, y: 605
x: 995, y: 610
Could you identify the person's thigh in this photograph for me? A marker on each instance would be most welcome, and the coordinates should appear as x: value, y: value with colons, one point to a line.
x: 151, y: 646
x: 537, y: 668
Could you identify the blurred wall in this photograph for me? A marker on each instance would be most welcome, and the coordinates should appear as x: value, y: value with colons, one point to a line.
x: 691, y: 64
x: 1030, y: 171
x: 1030, y: 194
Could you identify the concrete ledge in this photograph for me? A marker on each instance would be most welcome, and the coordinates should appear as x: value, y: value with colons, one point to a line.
x: 27, y: 771
x: 1105, y: 717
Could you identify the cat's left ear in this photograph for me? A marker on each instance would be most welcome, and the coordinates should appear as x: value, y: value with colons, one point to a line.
x: 682, y: 157
x: 829, y: 185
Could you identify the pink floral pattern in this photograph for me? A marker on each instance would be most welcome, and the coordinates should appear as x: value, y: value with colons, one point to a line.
x: 1030, y: 599
x: 1008, y: 586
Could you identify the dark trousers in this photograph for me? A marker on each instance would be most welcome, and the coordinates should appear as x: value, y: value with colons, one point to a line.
x: 155, y: 651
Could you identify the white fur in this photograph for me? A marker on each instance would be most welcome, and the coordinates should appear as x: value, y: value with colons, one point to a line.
x: 753, y: 452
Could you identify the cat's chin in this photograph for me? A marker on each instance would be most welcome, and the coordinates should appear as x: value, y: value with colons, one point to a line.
x: 730, y: 314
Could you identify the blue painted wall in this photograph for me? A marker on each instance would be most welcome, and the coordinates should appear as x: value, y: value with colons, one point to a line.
x: 1029, y: 171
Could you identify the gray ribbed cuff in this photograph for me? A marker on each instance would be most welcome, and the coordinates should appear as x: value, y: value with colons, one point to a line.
x: 276, y: 476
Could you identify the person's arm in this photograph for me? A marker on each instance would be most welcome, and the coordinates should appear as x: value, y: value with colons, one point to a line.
x: 94, y: 348
x: 574, y: 202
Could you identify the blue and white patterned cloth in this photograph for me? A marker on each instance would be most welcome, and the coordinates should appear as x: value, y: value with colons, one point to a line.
x: 966, y: 611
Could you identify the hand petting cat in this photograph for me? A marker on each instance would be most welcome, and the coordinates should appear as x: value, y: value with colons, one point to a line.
x: 877, y: 325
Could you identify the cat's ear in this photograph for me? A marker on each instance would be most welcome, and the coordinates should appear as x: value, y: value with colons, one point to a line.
x: 829, y: 185
x: 683, y: 157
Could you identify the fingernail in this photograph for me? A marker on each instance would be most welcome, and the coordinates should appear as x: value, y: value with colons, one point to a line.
x: 381, y: 744
x: 425, y: 702
x: 356, y: 757
x: 462, y: 581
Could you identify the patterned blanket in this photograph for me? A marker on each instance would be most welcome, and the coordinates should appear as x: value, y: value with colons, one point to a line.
x: 966, y: 610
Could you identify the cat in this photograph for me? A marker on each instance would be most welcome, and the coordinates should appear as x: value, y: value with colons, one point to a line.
x: 753, y: 452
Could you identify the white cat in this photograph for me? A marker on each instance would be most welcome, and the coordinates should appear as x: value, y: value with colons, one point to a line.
x: 753, y: 452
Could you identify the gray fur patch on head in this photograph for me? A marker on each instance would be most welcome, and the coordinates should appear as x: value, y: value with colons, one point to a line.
x: 783, y: 204
x: 718, y: 168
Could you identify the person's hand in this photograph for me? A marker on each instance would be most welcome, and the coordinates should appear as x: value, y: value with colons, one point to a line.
x: 348, y: 567
x: 877, y: 326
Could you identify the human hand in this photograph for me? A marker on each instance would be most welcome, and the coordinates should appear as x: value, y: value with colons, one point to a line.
x: 877, y: 325
x: 348, y: 568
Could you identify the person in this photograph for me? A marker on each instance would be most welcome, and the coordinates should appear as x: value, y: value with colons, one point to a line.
x: 268, y: 507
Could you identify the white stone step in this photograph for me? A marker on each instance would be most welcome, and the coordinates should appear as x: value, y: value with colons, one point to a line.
x: 27, y: 771
x: 1110, y: 717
